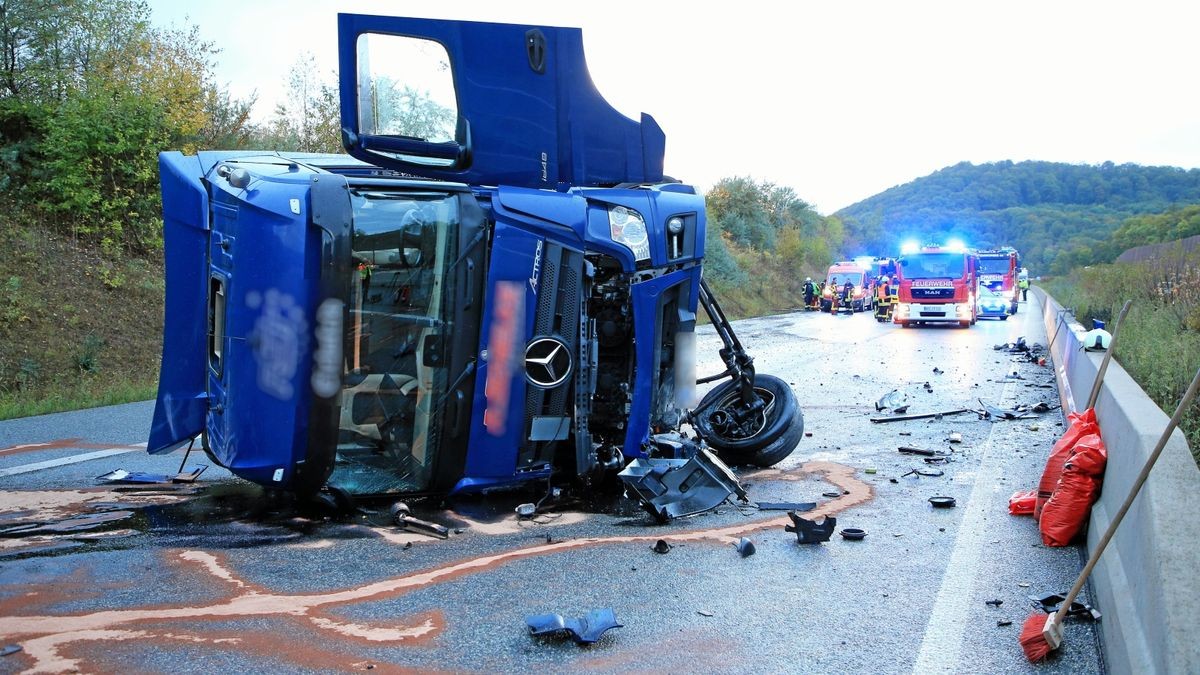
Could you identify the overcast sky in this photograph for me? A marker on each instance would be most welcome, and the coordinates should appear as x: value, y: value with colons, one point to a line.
x: 838, y: 100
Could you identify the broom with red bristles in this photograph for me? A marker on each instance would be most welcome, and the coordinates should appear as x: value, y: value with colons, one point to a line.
x: 1040, y: 636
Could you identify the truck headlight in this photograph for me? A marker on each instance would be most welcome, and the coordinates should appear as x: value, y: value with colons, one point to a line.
x: 629, y: 228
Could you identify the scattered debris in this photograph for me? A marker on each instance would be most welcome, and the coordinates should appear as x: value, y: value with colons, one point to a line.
x: 404, y: 518
x: 674, y: 488
x: 853, y: 533
x: 787, y: 506
x: 869, y: 470
x: 939, y: 459
x: 937, y: 371
x: 584, y: 630
x: 9, y: 649
x: 994, y: 603
x: 1003, y: 622
x: 955, y: 437
x: 907, y: 450
x: 831, y: 494
x: 704, y: 612
x: 661, y: 546
x: 1024, y: 584
x: 745, y: 547
x: 810, y: 531
x: 893, y: 399
x: 993, y: 413
x: 920, y: 416
x: 1033, y: 427
x: 808, y: 434
x: 1050, y: 603
x: 1043, y: 407
x: 942, y: 502
x: 932, y: 473
x: 901, y: 410
x: 141, y: 477
x: 526, y: 510
x: 906, y: 433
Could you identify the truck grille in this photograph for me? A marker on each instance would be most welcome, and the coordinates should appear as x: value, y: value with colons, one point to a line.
x: 933, y: 293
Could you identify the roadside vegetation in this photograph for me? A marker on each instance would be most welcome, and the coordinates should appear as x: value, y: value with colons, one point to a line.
x: 1160, y: 340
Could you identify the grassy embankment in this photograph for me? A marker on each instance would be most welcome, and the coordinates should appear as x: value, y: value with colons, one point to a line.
x: 76, y: 330
x: 1160, y: 341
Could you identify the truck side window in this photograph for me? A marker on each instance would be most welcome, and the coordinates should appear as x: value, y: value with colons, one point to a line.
x: 406, y: 89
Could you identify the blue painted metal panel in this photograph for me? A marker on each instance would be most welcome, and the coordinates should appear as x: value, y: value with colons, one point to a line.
x: 646, y: 297
x: 179, y: 411
x: 519, y: 126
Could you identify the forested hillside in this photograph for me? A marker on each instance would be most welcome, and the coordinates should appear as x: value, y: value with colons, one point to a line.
x: 1059, y: 216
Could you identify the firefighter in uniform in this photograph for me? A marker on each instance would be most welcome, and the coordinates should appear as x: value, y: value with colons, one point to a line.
x: 883, y: 306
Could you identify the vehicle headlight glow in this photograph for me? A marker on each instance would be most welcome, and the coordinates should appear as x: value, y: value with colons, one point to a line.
x: 629, y: 228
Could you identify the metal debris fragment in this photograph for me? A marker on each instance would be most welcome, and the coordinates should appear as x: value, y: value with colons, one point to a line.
x: 584, y: 630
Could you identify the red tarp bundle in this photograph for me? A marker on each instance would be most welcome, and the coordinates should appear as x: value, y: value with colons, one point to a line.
x: 1077, y: 489
x: 1022, y: 503
x: 1081, y: 424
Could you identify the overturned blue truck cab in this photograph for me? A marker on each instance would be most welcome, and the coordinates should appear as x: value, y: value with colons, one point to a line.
x: 496, y: 285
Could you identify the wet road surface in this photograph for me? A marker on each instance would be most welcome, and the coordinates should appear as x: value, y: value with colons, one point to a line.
x: 220, y: 575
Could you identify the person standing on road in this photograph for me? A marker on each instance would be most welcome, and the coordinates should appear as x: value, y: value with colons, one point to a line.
x: 810, y: 292
x: 1023, y: 283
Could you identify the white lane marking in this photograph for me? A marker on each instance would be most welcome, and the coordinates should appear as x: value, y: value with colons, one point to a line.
x: 941, y: 647
x: 64, y: 461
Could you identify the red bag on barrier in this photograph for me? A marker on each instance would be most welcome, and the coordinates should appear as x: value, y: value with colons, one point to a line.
x: 1077, y: 489
x: 1080, y: 425
x: 1022, y: 503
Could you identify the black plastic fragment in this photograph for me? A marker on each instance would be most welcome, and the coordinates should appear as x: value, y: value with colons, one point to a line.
x: 745, y: 547
x: 788, y: 506
x: 1049, y: 604
x: 661, y: 546
x: 810, y: 531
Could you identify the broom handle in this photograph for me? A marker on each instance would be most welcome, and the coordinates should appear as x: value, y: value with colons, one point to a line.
x: 1133, y: 493
x: 1108, y: 354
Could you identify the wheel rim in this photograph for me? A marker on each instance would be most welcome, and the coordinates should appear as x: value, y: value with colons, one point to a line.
x: 722, y: 419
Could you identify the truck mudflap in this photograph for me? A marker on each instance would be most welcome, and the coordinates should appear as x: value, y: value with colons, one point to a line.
x: 675, y: 488
x: 182, y: 399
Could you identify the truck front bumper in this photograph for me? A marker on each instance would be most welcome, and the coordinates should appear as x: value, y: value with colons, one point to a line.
x: 950, y: 312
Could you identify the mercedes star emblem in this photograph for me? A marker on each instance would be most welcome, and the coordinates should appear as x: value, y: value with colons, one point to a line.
x: 547, y: 362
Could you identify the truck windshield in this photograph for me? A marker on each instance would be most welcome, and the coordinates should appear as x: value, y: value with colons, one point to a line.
x: 403, y: 245
x: 994, y: 265
x: 933, y: 266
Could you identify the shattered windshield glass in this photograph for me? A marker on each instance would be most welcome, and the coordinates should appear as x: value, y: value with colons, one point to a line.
x: 402, y: 247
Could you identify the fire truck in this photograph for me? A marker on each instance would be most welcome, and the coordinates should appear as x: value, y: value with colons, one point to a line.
x: 497, y: 286
x: 998, y: 274
x: 937, y: 285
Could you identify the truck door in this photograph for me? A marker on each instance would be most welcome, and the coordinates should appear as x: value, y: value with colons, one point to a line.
x: 439, y: 99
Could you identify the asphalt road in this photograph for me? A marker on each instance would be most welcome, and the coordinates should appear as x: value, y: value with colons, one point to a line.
x: 220, y: 576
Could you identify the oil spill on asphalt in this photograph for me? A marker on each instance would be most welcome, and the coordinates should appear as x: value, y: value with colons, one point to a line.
x: 56, y: 642
x: 63, y: 444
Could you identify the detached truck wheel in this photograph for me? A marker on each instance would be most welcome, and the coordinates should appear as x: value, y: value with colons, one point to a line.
x: 765, y: 439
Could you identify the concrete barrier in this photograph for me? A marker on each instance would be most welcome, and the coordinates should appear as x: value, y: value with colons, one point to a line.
x: 1146, y: 582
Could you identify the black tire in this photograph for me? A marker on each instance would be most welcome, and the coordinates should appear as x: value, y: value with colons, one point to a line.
x: 1004, y: 317
x: 774, y: 435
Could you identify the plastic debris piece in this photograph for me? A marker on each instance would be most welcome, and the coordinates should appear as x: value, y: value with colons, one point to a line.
x: 1003, y: 622
x: 937, y: 371
x: 831, y: 494
x: 994, y: 603
x: 704, y: 612
x: 870, y: 470
x: 745, y: 547
x: 853, y: 533
x: 920, y: 416
x: 892, y: 399
x: 810, y: 531
x: 943, y: 502
x: 908, y: 450
x: 901, y: 410
x: 955, y: 437
x: 675, y: 488
x: 1049, y: 604
x: 525, y: 510
x: 141, y: 477
x: 584, y: 630
x: 786, y: 506
x: 9, y: 649
x: 661, y: 546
